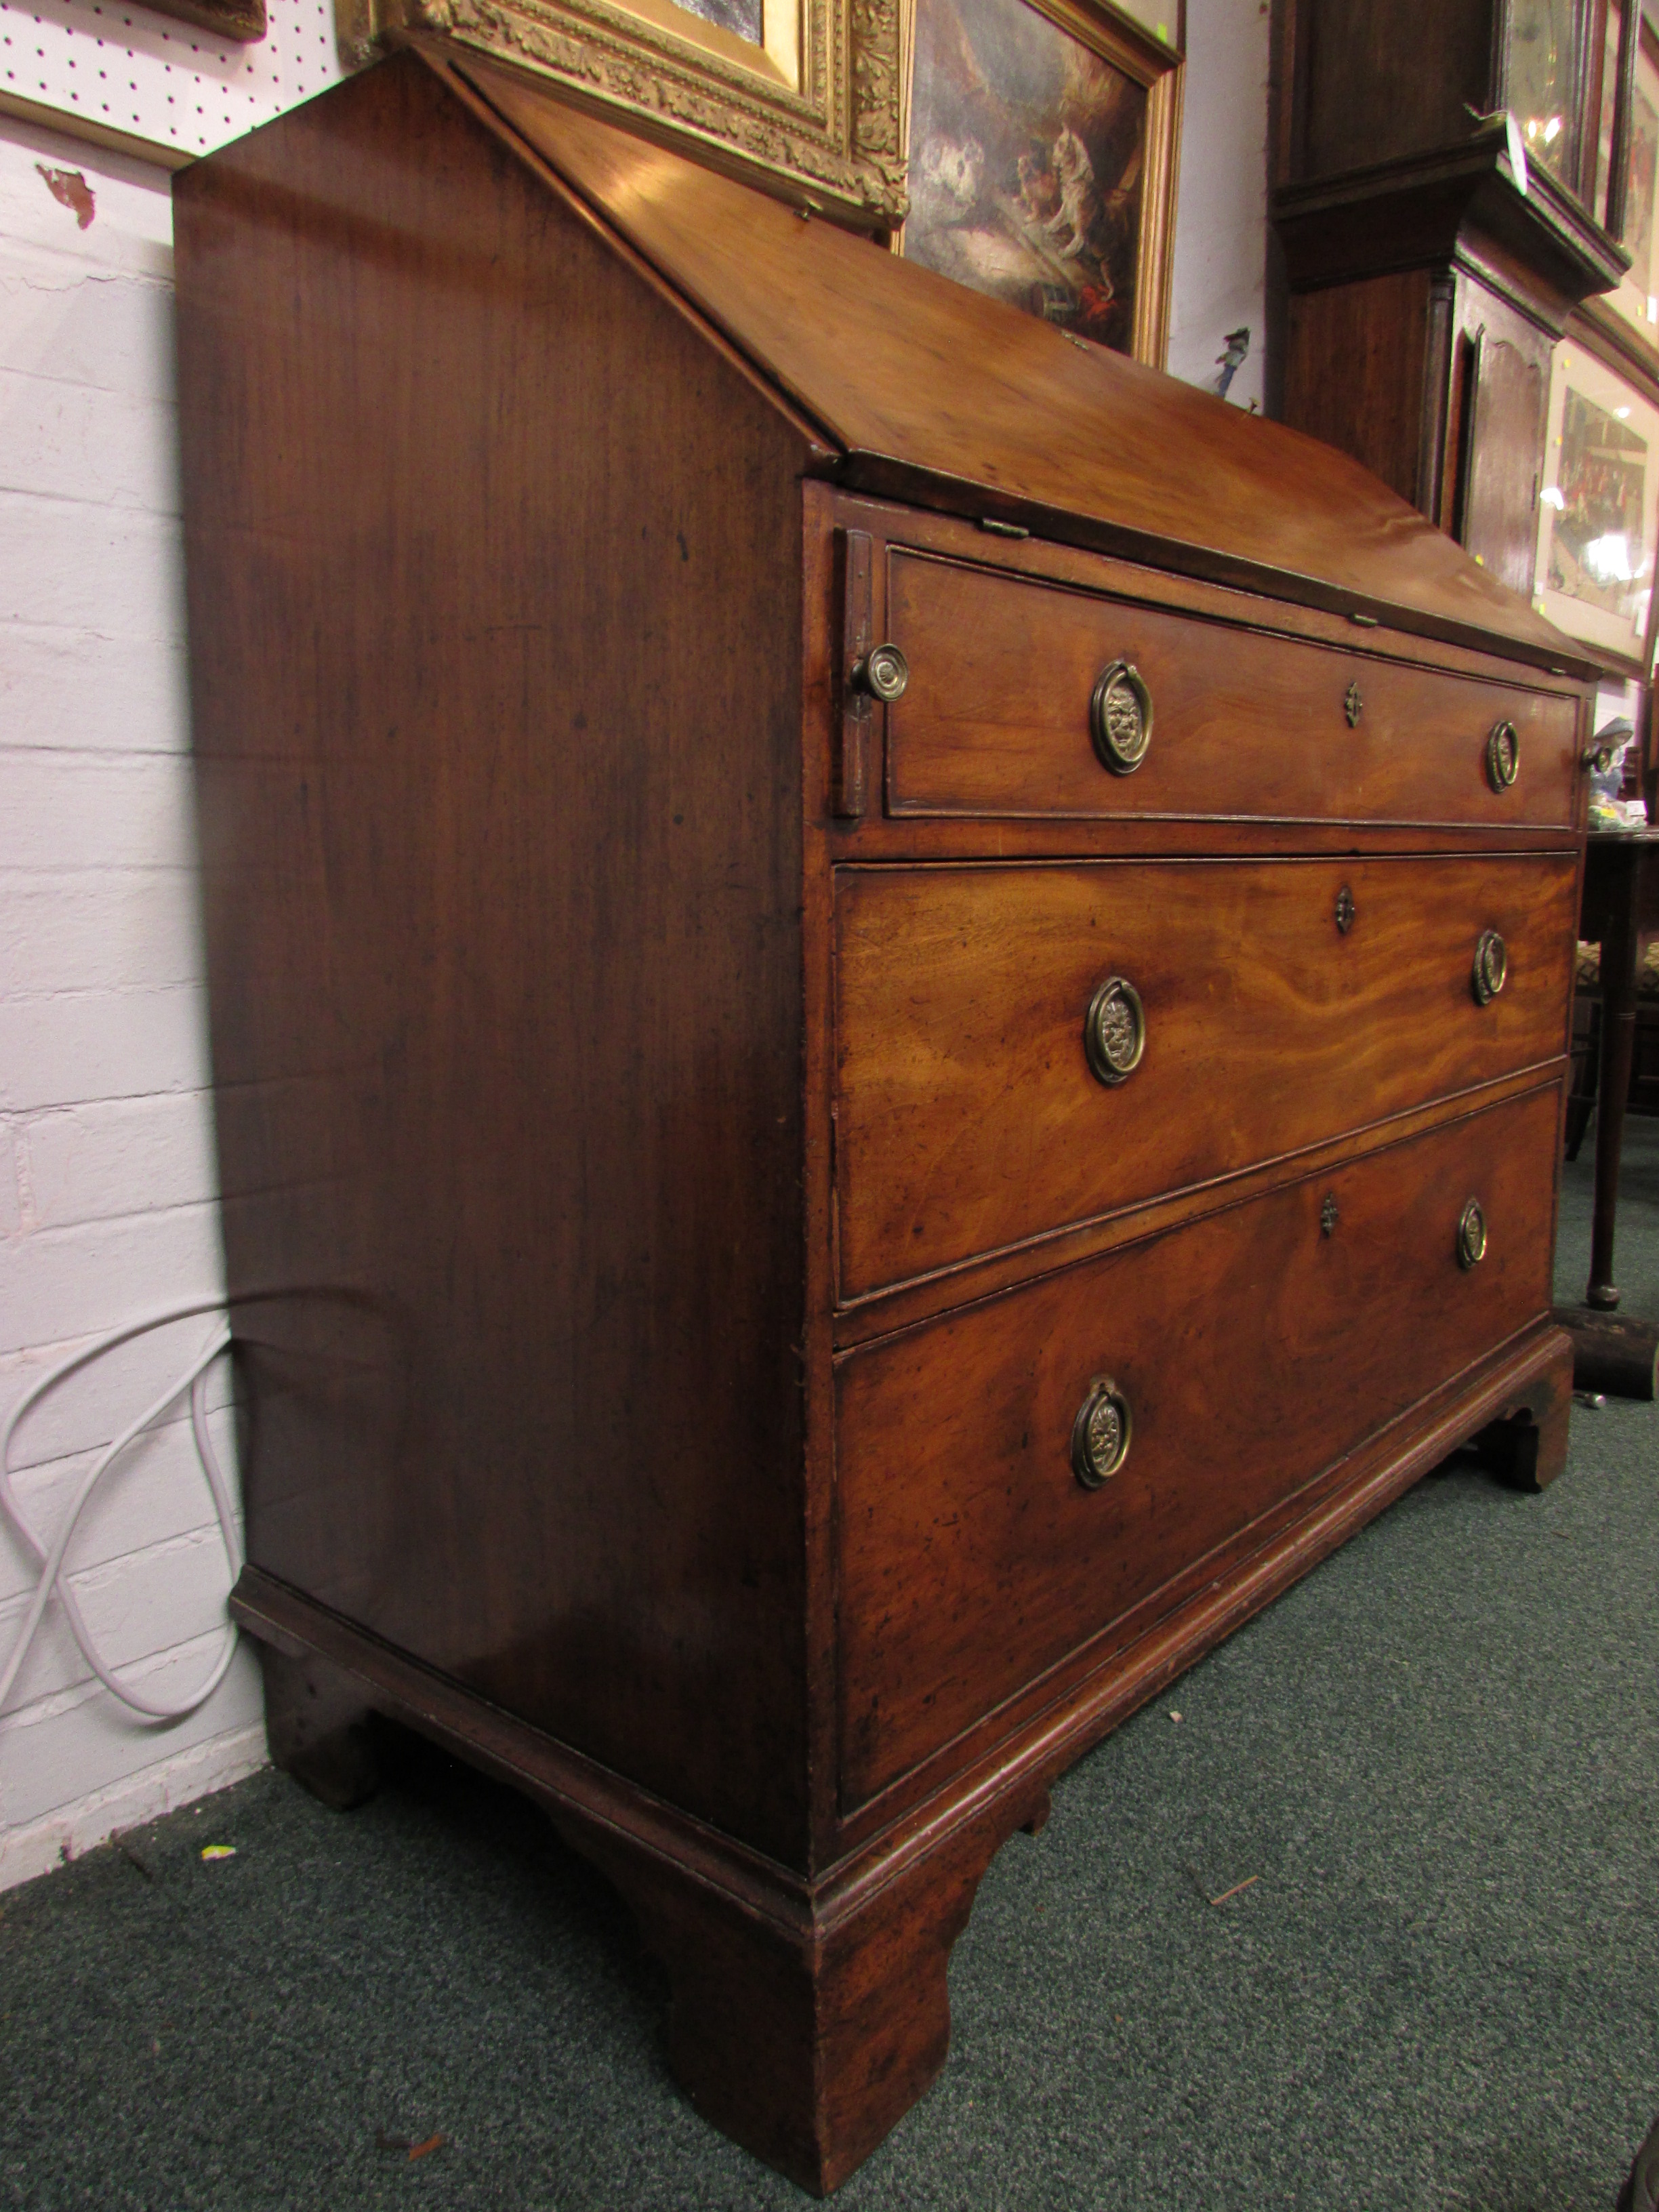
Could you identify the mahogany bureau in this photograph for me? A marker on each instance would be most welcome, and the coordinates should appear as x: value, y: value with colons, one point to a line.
x: 890, y: 1002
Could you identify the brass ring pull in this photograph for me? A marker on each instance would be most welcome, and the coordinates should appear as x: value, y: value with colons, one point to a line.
x: 1471, y: 1236
x: 1101, y: 1433
x: 1120, y: 718
x: 884, y: 672
x: 1599, y: 757
x: 1502, y: 756
x: 1492, y: 967
x: 1114, y: 1031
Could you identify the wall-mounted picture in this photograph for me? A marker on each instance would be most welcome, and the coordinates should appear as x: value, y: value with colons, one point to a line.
x: 1598, y: 508
x: 1637, y: 297
x: 1042, y: 143
x: 802, y: 97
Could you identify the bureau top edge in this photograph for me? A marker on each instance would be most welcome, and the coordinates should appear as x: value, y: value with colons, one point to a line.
x: 925, y: 390
x: 976, y: 534
x: 1375, y: 620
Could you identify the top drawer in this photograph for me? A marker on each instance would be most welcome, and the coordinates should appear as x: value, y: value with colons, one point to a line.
x: 998, y: 717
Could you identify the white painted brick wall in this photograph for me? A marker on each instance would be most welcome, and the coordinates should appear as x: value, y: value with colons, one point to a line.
x: 1220, y: 272
x: 107, y: 1187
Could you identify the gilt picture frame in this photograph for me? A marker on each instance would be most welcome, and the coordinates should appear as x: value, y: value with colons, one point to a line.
x: 1598, y: 527
x: 1043, y: 138
x: 1636, y: 299
x: 800, y: 97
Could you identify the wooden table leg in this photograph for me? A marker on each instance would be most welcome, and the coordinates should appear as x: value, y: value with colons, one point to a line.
x: 1619, y: 955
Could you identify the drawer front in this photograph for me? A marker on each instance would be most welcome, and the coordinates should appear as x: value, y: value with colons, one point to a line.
x: 968, y: 1117
x: 996, y: 718
x: 1253, y: 1350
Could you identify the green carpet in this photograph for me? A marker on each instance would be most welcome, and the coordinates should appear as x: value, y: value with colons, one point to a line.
x: 1435, y: 1762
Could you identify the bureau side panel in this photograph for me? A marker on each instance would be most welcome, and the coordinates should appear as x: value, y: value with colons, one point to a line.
x: 494, y: 575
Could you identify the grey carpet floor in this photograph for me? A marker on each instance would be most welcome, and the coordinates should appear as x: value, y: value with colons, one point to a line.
x: 1436, y: 1762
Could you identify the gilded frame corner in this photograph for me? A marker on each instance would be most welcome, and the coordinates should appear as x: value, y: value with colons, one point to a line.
x: 812, y: 114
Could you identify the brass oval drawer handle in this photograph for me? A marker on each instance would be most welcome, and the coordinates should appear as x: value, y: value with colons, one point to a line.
x: 1599, y: 757
x: 1492, y: 967
x: 884, y: 672
x: 1120, y: 718
x: 1114, y: 1030
x: 1471, y: 1235
x: 1101, y: 1433
x: 1502, y: 756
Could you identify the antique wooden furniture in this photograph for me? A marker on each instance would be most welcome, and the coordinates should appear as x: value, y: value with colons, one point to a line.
x: 1620, y: 913
x: 1426, y: 290
x: 889, y: 1003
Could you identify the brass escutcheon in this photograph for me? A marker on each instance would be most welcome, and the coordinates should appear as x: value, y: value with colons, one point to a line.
x: 1101, y: 1433
x: 1345, y: 911
x: 884, y: 672
x: 1329, y: 1216
x: 1352, y: 705
x: 1120, y: 718
x: 1502, y: 756
x: 1471, y: 1235
x: 1114, y: 1030
x: 1492, y: 966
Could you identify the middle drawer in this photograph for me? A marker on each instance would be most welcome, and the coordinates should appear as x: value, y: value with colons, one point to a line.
x: 983, y: 1090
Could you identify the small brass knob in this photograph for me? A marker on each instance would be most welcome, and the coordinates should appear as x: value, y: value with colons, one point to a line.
x: 1120, y: 718
x: 884, y: 672
x: 1492, y: 966
x: 1114, y: 1030
x: 1101, y: 1433
x: 1471, y: 1235
x: 1502, y: 756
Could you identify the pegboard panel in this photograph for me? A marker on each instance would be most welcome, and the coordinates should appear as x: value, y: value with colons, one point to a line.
x: 134, y: 75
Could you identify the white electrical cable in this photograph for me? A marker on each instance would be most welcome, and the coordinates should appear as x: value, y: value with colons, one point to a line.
x: 50, y: 1558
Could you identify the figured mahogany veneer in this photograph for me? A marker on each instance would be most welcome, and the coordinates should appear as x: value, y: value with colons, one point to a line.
x: 1245, y: 724
x: 1234, y: 1341
x: 671, y: 1219
x: 966, y: 1111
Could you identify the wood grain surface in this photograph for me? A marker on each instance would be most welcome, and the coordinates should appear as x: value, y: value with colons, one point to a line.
x: 995, y: 719
x: 501, y: 831
x: 967, y: 1117
x: 1253, y: 1349
x: 932, y: 392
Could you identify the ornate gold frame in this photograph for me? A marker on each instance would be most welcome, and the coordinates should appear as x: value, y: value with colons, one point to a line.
x: 1144, y: 58
x: 812, y: 114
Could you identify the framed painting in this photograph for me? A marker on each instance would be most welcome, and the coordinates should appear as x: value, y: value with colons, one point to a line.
x: 1598, y: 509
x: 241, y: 20
x: 801, y: 97
x: 1637, y: 299
x: 1043, y: 137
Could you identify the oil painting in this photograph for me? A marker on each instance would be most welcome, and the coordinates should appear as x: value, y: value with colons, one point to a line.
x: 1032, y: 149
x: 1599, y: 506
x: 741, y: 17
x: 1636, y: 298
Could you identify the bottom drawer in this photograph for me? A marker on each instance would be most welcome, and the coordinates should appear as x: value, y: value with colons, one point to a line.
x: 1252, y: 1350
